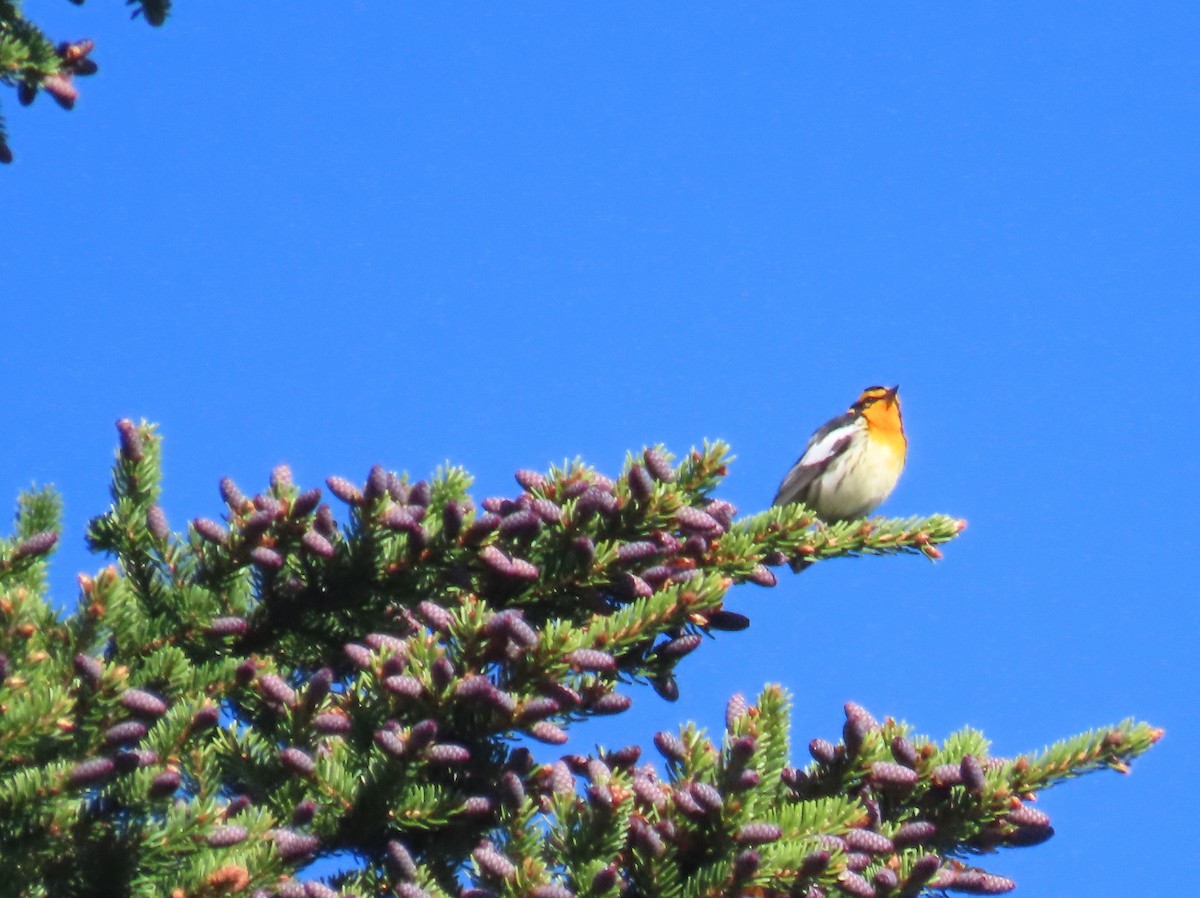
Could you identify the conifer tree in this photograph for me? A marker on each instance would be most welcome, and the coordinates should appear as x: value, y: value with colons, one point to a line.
x: 386, y: 678
x: 32, y: 63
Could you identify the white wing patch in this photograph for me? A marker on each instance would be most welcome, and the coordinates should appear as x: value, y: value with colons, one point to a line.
x: 821, y: 451
x: 824, y: 450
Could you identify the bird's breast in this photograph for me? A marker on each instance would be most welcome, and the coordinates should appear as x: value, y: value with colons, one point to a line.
x: 857, y: 482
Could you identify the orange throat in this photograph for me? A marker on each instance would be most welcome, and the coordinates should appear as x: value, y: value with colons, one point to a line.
x: 886, y: 426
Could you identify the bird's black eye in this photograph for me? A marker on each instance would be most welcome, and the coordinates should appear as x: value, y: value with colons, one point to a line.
x: 869, y: 396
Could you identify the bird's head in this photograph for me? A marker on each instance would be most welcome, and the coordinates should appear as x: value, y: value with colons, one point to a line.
x: 881, y: 407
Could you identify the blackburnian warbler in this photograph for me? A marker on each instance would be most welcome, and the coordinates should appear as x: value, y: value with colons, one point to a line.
x: 852, y: 463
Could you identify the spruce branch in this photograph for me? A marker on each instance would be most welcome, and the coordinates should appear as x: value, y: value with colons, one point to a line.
x: 31, y: 63
x: 291, y: 682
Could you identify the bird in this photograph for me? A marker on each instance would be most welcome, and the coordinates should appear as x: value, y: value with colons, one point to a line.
x: 852, y: 463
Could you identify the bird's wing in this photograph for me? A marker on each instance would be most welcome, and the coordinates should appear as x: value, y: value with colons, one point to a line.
x: 824, y: 446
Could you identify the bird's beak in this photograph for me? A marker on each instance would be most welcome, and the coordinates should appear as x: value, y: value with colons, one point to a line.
x: 891, y: 394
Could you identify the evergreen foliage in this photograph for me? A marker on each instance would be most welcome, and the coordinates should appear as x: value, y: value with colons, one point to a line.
x: 32, y: 63
x: 227, y: 705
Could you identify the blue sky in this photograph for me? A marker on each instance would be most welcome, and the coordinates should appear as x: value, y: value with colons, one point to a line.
x: 504, y: 238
